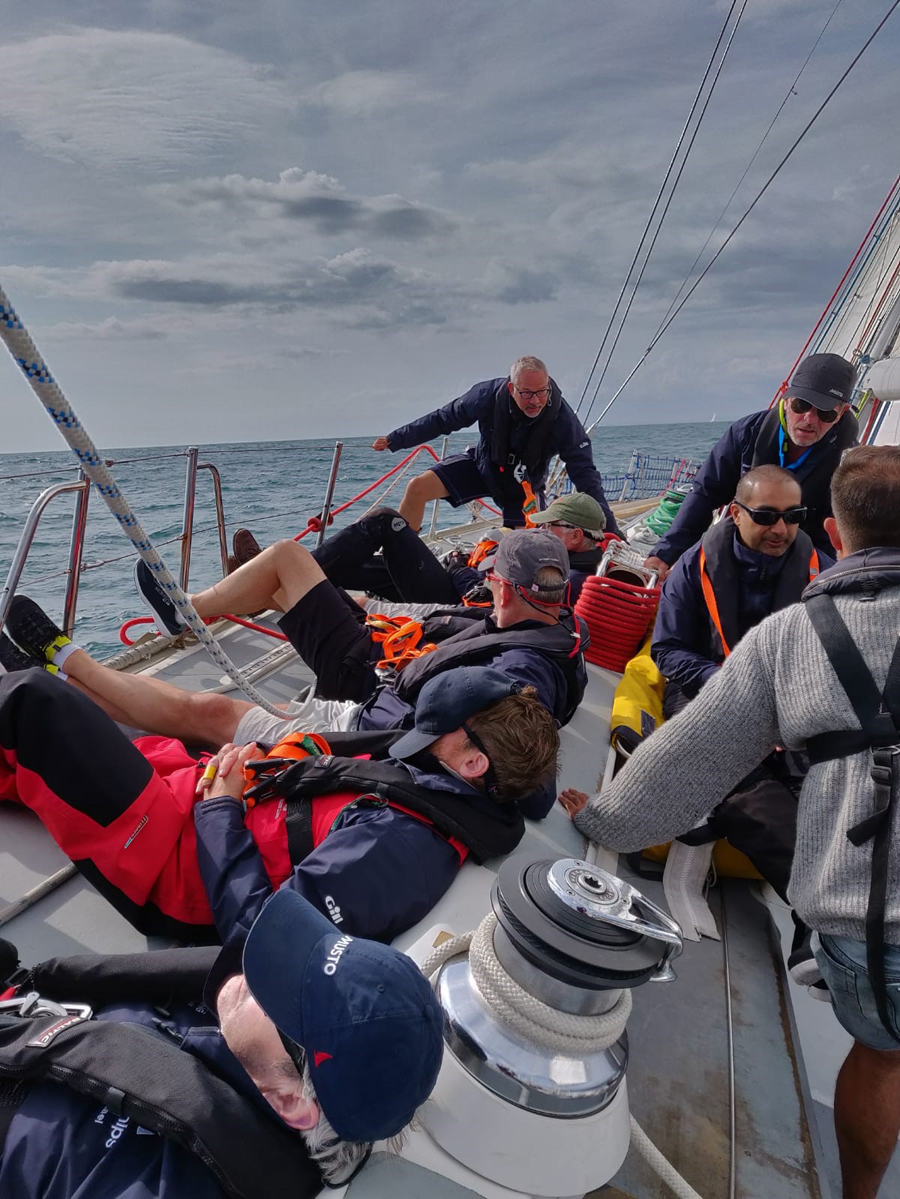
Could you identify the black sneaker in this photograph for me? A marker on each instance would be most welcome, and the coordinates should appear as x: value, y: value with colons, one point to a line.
x: 168, y: 619
x: 12, y: 658
x: 33, y: 630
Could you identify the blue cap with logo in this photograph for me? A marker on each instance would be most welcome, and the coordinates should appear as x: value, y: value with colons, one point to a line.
x: 368, y: 1021
x: 447, y: 701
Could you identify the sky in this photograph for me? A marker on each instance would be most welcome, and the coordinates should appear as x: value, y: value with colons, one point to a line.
x: 224, y: 221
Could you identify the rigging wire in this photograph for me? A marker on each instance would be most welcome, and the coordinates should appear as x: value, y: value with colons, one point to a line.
x: 759, y: 195
x: 790, y: 92
x: 658, y: 200
x: 637, y: 282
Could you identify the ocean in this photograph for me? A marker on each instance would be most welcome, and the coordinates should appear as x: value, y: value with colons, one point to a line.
x: 271, y: 487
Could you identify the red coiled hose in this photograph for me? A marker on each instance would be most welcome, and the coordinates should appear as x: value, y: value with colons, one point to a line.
x: 618, y: 616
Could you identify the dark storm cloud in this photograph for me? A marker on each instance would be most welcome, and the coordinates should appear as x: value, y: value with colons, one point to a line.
x: 309, y: 196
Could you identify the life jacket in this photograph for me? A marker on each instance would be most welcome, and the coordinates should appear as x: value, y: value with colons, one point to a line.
x: 471, y: 823
x: 400, y: 638
x: 720, y: 579
x: 474, y: 640
x: 535, y: 453
x: 815, y: 471
x: 145, y: 1077
x: 878, y: 714
x: 294, y: 747
x: 482, y: 550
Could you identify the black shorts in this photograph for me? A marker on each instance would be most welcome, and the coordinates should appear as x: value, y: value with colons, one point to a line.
x: 462, y: 479
x: 328, y: 631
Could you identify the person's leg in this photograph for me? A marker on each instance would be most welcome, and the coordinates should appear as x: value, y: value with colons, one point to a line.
x: 415, y: 571
x: 280, y: 576
x: 867, y: 1117
x: 98, y: 796
x: 420, y: 491
x: 156, y: 706
x: 760, y: 819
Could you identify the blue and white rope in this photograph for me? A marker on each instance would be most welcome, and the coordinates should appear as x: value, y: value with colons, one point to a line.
x: 19, y: 343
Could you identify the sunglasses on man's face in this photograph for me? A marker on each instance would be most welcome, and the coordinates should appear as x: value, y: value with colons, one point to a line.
x: 771, y: 516
x: 826, y: 415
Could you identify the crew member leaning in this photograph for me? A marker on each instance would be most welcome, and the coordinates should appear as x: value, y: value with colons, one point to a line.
x: 523, y: 422
x: 308, y: 1046
x: 528, y: 634
x: 821, y: 676
x: 806, y: 432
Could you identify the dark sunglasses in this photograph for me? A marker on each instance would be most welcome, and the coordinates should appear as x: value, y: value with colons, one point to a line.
x: 826, y: 415
x: 771, y: 516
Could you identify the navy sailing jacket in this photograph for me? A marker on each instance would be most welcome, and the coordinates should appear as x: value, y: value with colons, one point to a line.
x: 376, y: 874
x: 685, y: 645
x: 64, y: 1145
x: 565, y: 436
x: 754, y: 441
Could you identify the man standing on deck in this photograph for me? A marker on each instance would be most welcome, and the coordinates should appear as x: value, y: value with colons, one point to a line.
x: 523, y: 421
x: 806, y: 432
x: 823, y: 676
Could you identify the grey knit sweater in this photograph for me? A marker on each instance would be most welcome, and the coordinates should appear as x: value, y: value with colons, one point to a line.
x: 777, y: 688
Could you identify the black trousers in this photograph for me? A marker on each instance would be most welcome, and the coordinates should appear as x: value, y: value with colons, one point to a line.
x: 380, y: 553
x: 759, y: 817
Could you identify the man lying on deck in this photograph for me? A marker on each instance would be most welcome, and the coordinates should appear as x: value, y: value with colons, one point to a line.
x: 821, y: 676
x: 373, y: 844
x: 529, y: 636
x: 380, y: 553
x: 308, y: 1046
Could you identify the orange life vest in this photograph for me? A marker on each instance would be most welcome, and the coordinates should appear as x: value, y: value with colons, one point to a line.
x: 400, y: 638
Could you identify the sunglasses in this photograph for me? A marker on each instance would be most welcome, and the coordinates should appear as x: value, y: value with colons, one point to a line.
x: 771, y: 516
x: 826, y: 415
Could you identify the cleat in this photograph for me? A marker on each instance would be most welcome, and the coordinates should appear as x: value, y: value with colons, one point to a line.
x: 13, y: 659
x: 245, y: 546
x: 33, y: 630
x: 169, y: 621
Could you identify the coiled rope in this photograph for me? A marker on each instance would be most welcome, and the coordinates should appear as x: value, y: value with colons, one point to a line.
x: 660, y: 519
x: 20, y: 344
x: 548, y: 1026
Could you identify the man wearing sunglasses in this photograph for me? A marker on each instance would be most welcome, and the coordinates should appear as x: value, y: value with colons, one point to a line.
x: 753, y: 562
x: 524, y: 422
x: 806, y: 432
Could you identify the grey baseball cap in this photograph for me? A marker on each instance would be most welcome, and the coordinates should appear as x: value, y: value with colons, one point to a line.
x: 524, y: 552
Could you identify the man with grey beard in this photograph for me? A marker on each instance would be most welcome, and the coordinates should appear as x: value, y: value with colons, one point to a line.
x: 335, y: 1039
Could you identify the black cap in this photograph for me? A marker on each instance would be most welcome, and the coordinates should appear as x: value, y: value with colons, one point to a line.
x: 823, y: 380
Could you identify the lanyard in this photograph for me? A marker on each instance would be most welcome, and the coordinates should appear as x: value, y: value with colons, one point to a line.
x: 783, y: 442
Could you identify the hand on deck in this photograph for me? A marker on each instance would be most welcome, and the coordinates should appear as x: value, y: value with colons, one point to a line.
x: 229, y: 762
x: 380, y: 443
x: 657, y: 564
x: 573, y: 801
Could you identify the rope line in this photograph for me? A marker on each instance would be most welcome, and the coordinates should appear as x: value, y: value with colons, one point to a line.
x: 656, y: 203
x: 759, y: 195
x: 669, y: 199
x: 20, y: 344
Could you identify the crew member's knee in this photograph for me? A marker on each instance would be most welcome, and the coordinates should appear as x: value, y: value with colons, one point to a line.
x: 425, y: 487
x: 213, y: 718
x: 290, y: 551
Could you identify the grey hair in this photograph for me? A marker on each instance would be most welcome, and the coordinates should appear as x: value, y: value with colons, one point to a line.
x: 337, y: 1159
x: 528, y: 363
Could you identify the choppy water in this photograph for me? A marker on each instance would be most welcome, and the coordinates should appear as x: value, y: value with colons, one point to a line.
x: 271, y: 487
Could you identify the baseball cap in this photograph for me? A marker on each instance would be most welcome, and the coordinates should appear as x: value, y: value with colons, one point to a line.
x: 524, y: 552
x: 368, y: 1021
x: 576, y: 509
x: 823, y: 380
x: 448, y: 700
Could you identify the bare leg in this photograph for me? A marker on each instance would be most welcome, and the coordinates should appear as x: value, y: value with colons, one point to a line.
x: 158, y: 707
x: 867, y: 1117
x: 279, y: 577
x: 418, y: 492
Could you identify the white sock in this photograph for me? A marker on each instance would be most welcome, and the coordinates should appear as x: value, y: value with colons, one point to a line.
x: 61, y: 656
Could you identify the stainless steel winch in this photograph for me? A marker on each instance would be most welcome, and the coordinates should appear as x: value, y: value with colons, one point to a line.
x: 572, y: 936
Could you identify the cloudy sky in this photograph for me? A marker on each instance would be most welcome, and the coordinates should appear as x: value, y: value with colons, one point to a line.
x: 303, y: 218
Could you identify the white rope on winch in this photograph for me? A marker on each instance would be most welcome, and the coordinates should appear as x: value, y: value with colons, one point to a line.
x: 548, y: 1026
x: 19, y: 343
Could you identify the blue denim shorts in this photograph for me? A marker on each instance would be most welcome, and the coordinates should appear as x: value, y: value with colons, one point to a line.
x: 843, y: 964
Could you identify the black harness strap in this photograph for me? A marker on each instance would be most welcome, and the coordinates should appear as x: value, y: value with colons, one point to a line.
x: 299, y: 828
x: 879, y: 717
